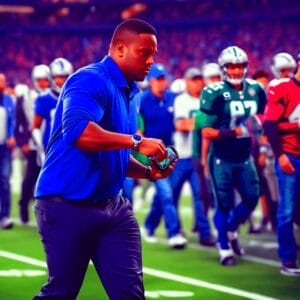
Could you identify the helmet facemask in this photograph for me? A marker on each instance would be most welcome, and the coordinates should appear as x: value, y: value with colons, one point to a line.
x: 231, y: 56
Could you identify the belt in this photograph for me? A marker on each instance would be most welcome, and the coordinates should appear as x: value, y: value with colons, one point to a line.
x: 83, y: 202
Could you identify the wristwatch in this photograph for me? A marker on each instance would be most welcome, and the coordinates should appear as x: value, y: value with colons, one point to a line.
x: 136, y: 140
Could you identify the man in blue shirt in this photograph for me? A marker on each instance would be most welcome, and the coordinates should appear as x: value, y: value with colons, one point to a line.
x: 80, y: 213
x: 156, y: 119
x: 7, y: 142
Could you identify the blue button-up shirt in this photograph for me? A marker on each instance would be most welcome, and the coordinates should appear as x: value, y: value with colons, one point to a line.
x: 96, y: 93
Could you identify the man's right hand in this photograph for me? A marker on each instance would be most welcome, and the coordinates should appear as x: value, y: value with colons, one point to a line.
x: 154, y: 148
x: 285, y: 164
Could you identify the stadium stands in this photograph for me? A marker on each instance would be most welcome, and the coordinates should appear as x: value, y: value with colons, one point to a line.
x: 190, y: 32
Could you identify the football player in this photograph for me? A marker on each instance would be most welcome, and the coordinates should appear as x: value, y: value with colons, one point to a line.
x: 211, y: 73
x: 283, y: 65
x: 60, y: 70
x: 226, y: 106
x: 282, y: 129
x: 26, y: 97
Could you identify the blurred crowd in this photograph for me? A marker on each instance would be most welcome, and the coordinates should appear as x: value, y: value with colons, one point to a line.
x: 190, y: 33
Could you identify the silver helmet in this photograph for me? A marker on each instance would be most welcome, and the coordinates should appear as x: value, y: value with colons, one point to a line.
x: 39, y: 72
x: 211, y: 70
x: 283, y: 60
x: 60, y: 67
x: 233, y: 55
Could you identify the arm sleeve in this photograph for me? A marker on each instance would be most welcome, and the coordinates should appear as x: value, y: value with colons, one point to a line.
x: 208, y: 110
x: 83, y: 102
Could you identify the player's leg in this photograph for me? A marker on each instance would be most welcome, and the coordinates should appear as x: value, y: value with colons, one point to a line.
x: 118, y: 258
x: 247, y: 184
x: 202, y: 223
x: 289, y: 189
x: 5, y: 197
x: 222, y: 187
x: 66, y: 234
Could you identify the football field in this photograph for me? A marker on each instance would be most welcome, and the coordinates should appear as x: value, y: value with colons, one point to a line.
x: 192, y: 273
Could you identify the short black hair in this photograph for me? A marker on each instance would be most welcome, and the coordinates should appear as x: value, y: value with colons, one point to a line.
x: 132, y: 25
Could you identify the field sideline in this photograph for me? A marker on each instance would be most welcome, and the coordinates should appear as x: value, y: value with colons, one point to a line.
x: 193, y: 273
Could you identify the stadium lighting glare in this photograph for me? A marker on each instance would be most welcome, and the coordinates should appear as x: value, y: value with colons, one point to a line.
x: 19, y: 9
x: 133, y: 10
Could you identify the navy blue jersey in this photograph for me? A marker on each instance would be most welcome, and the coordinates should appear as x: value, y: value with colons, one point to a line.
x: 45, y: 105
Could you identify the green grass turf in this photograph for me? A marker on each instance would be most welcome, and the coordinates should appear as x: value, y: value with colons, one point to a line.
x: 194, y: 262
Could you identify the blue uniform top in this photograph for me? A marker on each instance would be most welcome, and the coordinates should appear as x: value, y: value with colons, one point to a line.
x: 157, y: 115
x: 98, y: 93
x: 7, y: 117
x: 45, y: 107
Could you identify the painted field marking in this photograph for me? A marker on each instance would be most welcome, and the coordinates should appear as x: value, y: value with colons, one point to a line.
x: 21, y: 273
x: 252, y: 258
x: 168, y: 294
x: 161, y: 274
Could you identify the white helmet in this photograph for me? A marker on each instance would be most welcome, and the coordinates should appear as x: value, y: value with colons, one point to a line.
x: 211, y: 70
x: 38, y: 72
x: 60, y: 67
x: 178, y: 86
x: 233, y: 55
x: 21, y: 90
x: 283, y: 60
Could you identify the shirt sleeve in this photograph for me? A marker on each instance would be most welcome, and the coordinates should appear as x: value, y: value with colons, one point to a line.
x: 275, y: 103
x: 83, y: 102
x: 208, y: 115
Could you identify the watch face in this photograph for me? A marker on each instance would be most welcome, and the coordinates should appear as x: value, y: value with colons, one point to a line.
x: 137, y: 138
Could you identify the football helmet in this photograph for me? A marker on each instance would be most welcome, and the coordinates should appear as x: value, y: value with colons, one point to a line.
x: 233, y: 55
x: 40, y: 72
x: 60, y: 67
x: 178, y: 86
x: 283, y: 60
x: 21, y: 90
x: 210, y: 70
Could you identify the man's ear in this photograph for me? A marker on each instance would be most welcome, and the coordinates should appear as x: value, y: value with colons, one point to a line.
x: 121, y: 48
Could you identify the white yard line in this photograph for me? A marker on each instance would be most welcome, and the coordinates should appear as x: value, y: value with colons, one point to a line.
x: 256, y: 259
x: 157, y: 273
x: 201, y: 283
x: 252, y: 258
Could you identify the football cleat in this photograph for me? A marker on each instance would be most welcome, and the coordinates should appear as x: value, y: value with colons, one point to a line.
x: 234, y: 243
x: 177, y: 242
x: 227, y: 257
x: 290, y: 269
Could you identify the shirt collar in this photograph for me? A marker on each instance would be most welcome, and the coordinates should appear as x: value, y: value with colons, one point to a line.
x: 115, y: 72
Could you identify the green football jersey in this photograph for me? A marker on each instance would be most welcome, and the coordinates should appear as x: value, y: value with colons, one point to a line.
x: 225, y: 107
